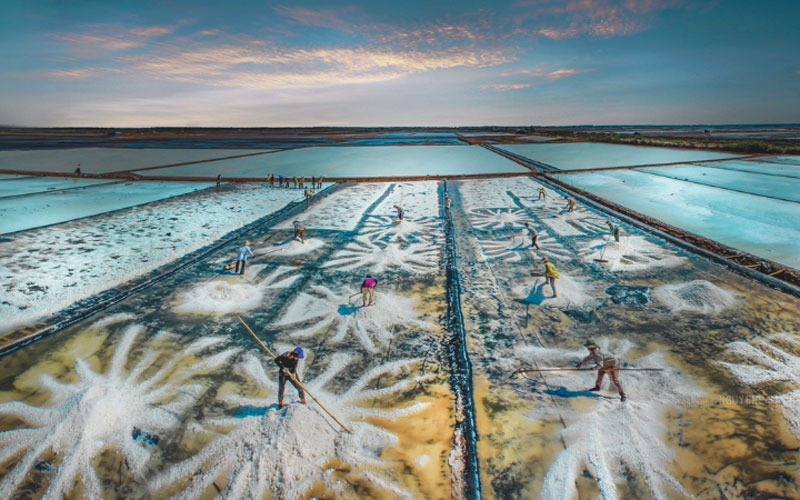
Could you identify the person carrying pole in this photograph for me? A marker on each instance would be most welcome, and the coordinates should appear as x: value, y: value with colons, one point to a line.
x: 604, y: 363
x: 550, y: 275
x: 299, y: 232
x: 241, y: 259
x: 534, y: 236
x: 287, y: 362
x: 368, y: 290
x: 614, y: 230
x: 542, y: 194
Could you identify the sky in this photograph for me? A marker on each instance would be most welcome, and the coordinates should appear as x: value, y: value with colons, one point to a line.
x: 399, y: 63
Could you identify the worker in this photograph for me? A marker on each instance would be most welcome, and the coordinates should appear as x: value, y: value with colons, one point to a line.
x: 299, y: 232
x: 614, y: 230
x: 534, y: 236
x: 313, y: 182
x: 446, y: 206
x: 570, y: 204
x: 399, y: 212
x: 550, y: 275
x: 308, y: 193
x: 542, y: 194
x: 301, y: 182
x: 219, y: 181
x: 294, y: 182
x: 605, y: 363
x: 287, y: 362
x: 244, y: 252
x: 319, y: 182
x: 368, y: 290
x: 271, y: 180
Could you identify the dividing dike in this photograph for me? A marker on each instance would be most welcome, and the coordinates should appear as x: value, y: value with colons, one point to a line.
x: 464, y: 456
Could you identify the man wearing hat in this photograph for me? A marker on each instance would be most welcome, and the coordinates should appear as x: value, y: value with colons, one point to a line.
x: 288, y: 361
x: 605, y: 363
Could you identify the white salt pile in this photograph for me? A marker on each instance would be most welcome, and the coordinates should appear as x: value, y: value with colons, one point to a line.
x: 233, y: 293
x: 341, y: 313
x: 220, y: 296
x: 633, y: 253
x: 696, y: 296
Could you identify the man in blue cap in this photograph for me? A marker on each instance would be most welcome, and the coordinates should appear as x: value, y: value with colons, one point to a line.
x: 287, y: 362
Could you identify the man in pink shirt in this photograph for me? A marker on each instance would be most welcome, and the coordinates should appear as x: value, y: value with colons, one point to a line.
x: 368, y: 290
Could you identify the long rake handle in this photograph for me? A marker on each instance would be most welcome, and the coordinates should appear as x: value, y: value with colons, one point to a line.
x: 291, y: 376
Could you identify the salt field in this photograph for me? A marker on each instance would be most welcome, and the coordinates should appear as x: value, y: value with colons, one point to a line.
x: 765, y: 227
x: 382, y: 161
x: 779, y: 188
x: 161, y: 391
x: 166, y: 393
x: 21, y: 185
x: 99, y: 160
x: 43, y: 209
x: 761, y: 167
x: 583, y: 155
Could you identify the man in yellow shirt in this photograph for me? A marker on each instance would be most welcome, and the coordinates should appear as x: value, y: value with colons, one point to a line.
x: 550, y: 274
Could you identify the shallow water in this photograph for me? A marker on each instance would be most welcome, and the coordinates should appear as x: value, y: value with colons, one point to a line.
x: 782, y: 188
x: 43, y: 209
x: 357, y: 162
x: 764, y: 227
x: 583, y: 155
x: 99, y: 160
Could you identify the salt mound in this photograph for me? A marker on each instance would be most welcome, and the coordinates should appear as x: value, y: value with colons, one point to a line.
x: 633, y: 253
x: 220, y: 297
x: 698, y: 295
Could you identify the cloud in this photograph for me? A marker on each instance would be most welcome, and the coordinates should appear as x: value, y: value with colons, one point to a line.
x: 324, y: 18
x: 599, y: 18
x: 99, y: 39
x: 541, y: 77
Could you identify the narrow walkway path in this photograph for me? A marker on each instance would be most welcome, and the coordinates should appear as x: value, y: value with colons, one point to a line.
x: 466, y: 430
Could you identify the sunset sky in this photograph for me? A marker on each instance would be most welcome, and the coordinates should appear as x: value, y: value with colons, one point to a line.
x: 524, y: 62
